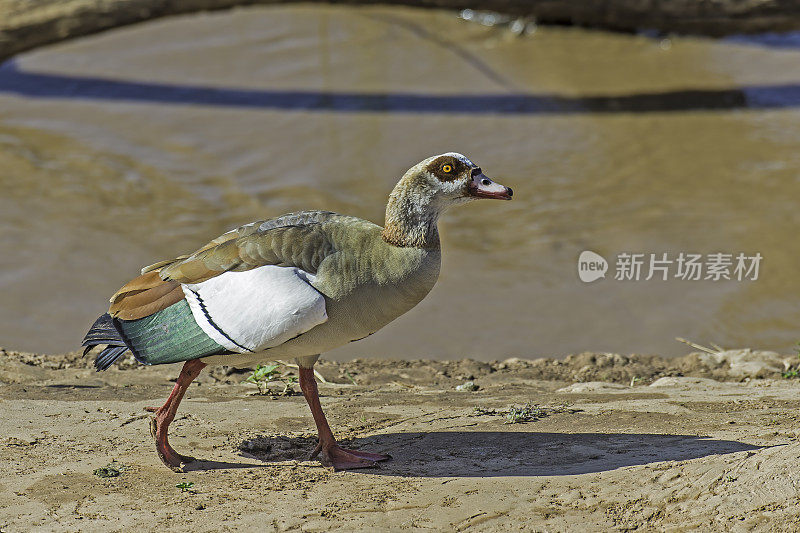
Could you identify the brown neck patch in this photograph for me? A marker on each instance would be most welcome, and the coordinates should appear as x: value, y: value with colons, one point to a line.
x: 396, y: 236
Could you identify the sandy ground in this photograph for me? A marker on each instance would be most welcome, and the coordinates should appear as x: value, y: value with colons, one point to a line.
x: 670, y: 453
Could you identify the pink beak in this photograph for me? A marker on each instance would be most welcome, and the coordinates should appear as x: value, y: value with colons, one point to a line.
x: 482, y: 187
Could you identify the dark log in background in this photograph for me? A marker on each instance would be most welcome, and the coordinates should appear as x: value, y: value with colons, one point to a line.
x: 27, y: 24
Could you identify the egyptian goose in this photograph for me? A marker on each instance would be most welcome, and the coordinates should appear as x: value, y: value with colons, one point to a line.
x: 289, y: 287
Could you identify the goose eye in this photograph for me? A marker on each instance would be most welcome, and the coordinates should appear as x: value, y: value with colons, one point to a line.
x: 447, y: 169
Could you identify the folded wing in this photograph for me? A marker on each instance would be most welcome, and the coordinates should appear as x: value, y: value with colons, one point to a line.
x: 247, y: 290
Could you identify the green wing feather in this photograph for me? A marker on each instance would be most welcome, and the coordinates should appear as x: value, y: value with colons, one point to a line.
x: 168, y: 336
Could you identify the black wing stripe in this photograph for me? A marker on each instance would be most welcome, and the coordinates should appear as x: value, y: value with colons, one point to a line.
x: 214, y: 324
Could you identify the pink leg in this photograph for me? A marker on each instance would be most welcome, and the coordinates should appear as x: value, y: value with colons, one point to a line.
x: 331, y: 454
x: 159, y: 424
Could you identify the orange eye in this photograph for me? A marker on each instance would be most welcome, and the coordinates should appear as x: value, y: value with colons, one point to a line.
x: 447, y: 169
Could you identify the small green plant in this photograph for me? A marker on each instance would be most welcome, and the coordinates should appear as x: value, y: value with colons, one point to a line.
x: 793, y: 371
x: 186, y: 486
x: 526, y: 413
x: 263, y: 375
x: 112, y: 469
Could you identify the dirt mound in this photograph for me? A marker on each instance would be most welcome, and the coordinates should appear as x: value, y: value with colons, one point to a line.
x: 730, y: 365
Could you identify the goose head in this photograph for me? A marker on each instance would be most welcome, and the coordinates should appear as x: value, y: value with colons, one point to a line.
x: 452, y: 178
x: 430, y: 187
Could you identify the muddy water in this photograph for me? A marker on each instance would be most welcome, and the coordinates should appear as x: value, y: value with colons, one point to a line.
x: 133, y: 146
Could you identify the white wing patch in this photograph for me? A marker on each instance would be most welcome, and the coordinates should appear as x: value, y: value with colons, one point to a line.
x: 257, y: 309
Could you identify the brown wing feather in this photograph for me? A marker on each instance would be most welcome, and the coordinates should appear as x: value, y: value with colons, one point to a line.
x: 205, y: 264
x: 143, y: 296
x: 138, y: 284
x: 162, y: 264
x: 148, y: 303
x: 149, y: 293
x: 219, y: 240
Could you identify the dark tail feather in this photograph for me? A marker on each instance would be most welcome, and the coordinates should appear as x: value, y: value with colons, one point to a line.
x: 104, y: 333
x: 107, y: 357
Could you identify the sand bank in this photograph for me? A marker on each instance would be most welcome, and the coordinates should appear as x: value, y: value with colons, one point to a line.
x: 675, y: 450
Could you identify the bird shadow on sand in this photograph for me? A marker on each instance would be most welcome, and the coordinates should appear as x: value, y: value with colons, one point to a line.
x: 201, y: 465
x: 507, y: 453
x: 264, y: 450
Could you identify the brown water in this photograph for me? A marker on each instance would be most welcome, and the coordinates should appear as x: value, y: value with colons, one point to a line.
x: 133, y: 146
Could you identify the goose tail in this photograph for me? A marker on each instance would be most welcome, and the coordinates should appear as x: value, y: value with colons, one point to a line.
x: 105, y: 333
